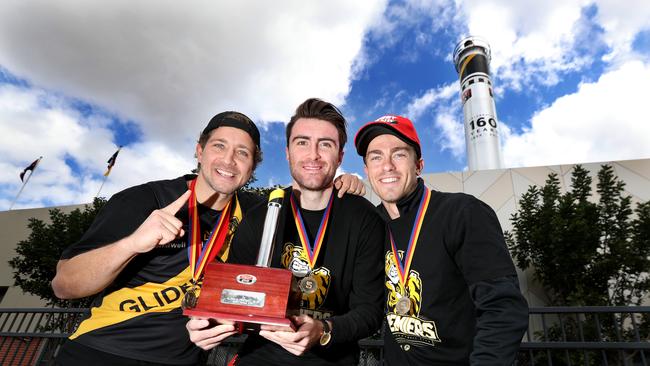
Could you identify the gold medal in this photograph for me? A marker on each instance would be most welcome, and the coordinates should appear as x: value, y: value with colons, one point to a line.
x: 403, y: 306
x: 190, y: 299
x: 308, y: 285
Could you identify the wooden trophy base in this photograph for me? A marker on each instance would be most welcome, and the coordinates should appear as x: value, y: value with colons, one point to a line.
x: 249, y: 294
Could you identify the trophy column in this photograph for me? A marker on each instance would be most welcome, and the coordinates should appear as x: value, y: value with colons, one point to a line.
x: 251, y: 294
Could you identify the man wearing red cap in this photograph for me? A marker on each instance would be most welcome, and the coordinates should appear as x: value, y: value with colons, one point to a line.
x: 136, y: 256
x: 452, y: 291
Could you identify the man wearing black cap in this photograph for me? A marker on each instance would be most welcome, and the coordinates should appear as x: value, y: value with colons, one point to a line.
x: 333, y: 246
x: 452, y: 292
x: 135, y: 255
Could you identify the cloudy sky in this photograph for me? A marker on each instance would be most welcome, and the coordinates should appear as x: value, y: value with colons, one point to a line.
x: 78, y: 79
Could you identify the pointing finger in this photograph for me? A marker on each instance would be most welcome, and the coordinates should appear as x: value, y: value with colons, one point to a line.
x: 173, y: 207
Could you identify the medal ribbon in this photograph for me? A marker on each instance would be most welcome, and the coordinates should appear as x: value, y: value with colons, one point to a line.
x: 200, y: 253
x: 312, y: 250
x: 404, y: 266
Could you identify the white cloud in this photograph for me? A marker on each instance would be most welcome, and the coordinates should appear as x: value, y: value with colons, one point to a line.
x: 444, y: 104
x: 531, y: 41
x: 171, y: 65
x: 421, y: 104
x: 33, y: 124
x: 602, y: 121
x: 452, y: 134
x: 168, y: 66
x: 621, y: 24
x: 537, y: 41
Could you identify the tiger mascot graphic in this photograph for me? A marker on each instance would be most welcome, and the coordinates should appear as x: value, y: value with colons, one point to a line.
x: 295, y: 259
x: 396, y: 291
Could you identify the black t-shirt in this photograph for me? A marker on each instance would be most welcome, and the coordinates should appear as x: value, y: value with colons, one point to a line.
x: 348, y: 271
x: 138, y: 316
x: 460, y: 243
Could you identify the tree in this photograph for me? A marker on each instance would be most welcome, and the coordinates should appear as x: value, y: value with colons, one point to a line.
x: 35, y: 265
x: 262, y: 191
x: 583, y: 252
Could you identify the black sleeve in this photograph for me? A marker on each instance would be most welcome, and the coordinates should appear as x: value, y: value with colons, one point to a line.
x: 481, y: 252
x: 249, y: 201
x: 120, y: 217
x: 367, y: 295
x: 502, y: 320
x: 246, y: 243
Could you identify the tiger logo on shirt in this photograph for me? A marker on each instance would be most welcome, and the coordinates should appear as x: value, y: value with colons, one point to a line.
x: 408, y: 329
x: 294, y: 258
x: 412, y: 290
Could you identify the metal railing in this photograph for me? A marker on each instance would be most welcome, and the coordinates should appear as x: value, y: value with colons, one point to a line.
x: 556, y: 336
x: 589, y: 335
x: 32, y: 336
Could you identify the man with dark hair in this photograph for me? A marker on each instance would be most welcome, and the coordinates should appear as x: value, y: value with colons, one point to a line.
x: 452, y: 291
x: 318, y: 109
x: 145, y: 252
x: 332, y: 245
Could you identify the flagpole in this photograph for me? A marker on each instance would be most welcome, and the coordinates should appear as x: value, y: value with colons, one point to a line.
x: 111, y: 162
x: 102, y: 186
x: 21, y: 189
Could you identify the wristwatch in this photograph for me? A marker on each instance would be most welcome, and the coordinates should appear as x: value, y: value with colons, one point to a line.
x: 326, y: 337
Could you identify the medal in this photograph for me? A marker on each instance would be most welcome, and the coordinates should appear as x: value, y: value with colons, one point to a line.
x: 190, y: 299
x: 308, y: 285
x: 403, y: 306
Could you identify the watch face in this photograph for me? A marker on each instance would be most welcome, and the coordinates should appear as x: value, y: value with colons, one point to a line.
x: 325, y: 338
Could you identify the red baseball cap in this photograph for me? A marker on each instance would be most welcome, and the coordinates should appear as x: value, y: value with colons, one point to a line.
x: 397, y: 126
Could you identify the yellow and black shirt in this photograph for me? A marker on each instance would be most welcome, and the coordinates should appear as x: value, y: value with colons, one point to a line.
x: 138, y: 316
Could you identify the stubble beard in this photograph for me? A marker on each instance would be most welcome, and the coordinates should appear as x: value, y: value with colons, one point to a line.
x: 320, y: 184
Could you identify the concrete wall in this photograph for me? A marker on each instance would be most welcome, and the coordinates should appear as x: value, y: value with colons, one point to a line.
x: 13, y: 226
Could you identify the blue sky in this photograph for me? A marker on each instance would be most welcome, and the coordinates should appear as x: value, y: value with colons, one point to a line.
x: 79, y: 79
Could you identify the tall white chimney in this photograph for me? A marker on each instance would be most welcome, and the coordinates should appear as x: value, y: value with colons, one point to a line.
x: 472, y: 60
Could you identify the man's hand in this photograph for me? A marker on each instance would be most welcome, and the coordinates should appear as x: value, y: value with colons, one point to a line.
x: 308, y: 333
x: 161, y: 227
x: 208, y: 334
x: 351, y: 184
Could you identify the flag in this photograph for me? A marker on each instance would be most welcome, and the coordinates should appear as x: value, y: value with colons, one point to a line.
x: 31, y: 168
x: 111, y: 162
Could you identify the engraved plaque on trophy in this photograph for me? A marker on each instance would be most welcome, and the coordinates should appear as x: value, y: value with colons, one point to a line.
x: 253, y: 295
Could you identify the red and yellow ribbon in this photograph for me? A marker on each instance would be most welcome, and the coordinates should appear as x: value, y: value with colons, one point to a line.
x: 312, y: 250
x: 199, y: 252
x: 404, y: 266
